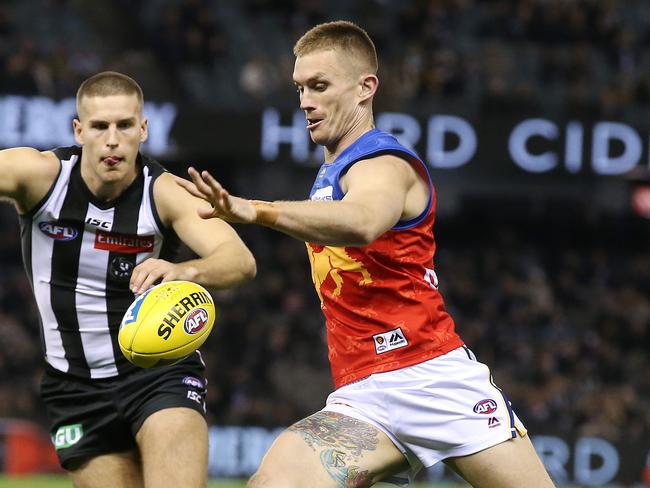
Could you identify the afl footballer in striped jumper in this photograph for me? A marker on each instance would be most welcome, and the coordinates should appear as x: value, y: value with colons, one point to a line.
x: 100, y: 223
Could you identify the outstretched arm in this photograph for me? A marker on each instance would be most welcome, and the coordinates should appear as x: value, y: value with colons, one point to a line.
x: 224, y: 260
x: 375, y: 199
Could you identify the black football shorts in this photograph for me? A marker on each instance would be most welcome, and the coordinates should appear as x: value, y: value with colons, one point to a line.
x: 100, y: 416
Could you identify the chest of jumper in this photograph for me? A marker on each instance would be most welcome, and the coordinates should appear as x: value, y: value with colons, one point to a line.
x: 91, y: 249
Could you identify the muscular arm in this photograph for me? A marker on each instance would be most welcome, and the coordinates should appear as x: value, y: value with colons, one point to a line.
x: 378, y: 193
x: 224, y: 260
x: 26, y: 176
x: 375, y: 200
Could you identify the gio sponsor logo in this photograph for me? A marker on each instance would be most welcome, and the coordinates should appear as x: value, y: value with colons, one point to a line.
x: 58, y: 231
x: 195, y: 320
x: 387, y: 341
x: 67, y: 436
x: 485, y: 407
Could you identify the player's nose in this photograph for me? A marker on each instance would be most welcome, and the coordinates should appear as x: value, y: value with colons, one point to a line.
x: 306, y: 103
x: 111, y: 138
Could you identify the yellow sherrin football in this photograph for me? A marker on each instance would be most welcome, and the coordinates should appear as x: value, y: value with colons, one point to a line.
x: 166, y: 323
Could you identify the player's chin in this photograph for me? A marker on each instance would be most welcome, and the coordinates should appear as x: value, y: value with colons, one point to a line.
x: 319, y: 139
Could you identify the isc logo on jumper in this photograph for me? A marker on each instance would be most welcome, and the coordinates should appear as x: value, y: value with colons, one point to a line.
x: 67, y: 436
x: 195, y: 320
x: 485, y: 407
x: 387, y: 341
x: 58, y: 231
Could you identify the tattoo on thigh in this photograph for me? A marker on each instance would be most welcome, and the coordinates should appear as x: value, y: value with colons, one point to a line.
x: 334, y: 463
x: 341, y: 441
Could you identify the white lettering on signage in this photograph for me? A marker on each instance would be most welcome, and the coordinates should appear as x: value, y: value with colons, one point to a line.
x: 568, y: 148
x: 45, y: 123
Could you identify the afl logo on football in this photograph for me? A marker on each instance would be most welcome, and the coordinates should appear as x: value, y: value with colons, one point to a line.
x: 58, y: 231
x: 195, y: 321
x: 485, y: 407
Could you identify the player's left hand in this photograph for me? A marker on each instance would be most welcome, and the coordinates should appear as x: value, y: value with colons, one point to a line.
x: 151, y: 272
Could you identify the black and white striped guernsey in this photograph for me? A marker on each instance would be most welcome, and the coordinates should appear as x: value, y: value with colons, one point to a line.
x: 79, y: 254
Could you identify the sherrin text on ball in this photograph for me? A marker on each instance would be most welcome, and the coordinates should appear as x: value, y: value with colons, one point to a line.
x: 166, y: 323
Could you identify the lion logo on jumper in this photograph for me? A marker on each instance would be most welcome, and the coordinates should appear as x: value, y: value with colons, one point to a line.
x: 329, y: 262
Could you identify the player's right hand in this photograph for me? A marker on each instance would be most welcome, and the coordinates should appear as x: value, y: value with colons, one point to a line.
x: 224, y: 206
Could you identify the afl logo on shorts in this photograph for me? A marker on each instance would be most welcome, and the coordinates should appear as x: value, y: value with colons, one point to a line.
x: 58, y: 231
x: 195, y: 321
x: 485, y: 407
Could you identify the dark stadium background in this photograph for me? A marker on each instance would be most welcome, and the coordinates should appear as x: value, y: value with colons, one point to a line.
x: 533, y: 116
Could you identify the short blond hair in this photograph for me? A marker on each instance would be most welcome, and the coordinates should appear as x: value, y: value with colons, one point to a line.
x: 343, y: 35
x: 108, y: 83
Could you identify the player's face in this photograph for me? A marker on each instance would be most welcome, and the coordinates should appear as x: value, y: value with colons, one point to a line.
x: 329, y: 85
x: 110, y: 129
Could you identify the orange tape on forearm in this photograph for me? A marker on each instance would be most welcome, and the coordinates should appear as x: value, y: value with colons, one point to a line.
x: 267, y: 212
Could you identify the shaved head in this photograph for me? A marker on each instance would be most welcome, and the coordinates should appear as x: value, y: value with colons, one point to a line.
x: 341, y: 36
x: 108, y: 83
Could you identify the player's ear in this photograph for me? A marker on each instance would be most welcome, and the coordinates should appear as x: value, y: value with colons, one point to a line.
x: 144, y: 129
x: 78, y: 132
x: 368, y: 86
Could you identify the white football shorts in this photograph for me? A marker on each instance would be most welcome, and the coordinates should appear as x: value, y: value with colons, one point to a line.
x: 444, y: 407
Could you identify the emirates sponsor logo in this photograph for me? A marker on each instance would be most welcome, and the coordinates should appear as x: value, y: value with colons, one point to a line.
x: 124, y: 243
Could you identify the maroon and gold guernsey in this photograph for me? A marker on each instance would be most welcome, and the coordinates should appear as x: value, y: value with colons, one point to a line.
x: 381, y: 302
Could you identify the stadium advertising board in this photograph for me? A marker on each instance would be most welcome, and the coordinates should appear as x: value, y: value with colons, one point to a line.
x: 587, y: 461
x: 45, y: 123
x: 500, y: 146
x: 236, y: 452
x: 450, y: 142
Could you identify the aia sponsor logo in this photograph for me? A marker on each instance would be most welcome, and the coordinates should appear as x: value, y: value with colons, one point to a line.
x: 58, y: 231
x: 124, y: 243
x: 485, y: 407
x: 195, y: 321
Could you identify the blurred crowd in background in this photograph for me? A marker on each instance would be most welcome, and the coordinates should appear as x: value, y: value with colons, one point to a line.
x: 557, y: 304
x: 585, y: 57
